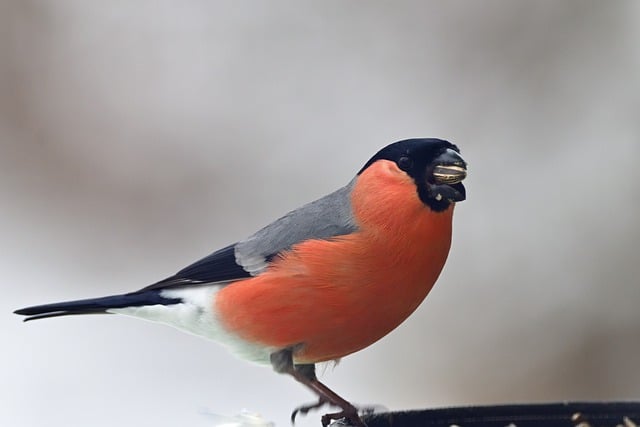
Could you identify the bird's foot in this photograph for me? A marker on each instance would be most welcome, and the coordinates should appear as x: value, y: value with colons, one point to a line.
x: 349, y: 413
x: 304, y: 409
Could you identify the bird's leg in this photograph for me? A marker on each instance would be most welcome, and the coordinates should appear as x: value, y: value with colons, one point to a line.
x: 282, y: 362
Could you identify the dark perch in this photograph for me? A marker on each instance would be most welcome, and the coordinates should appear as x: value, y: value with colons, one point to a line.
x: 578, y: 414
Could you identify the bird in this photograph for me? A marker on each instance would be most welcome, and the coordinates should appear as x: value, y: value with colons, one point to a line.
x: 323, y: 281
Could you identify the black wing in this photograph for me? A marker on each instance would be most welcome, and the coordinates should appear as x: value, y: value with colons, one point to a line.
x: 220, y: 266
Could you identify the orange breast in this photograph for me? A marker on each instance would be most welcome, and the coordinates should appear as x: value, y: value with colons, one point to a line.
x: 335, y: 297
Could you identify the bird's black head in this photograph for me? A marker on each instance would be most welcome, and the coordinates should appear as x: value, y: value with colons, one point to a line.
x: 434, y: 164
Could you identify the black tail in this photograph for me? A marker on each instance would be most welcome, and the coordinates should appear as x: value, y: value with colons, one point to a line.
x: 96, y: 305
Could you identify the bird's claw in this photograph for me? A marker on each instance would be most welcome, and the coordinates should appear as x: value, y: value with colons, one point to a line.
x: 348, y: 414
x: 304, y: 409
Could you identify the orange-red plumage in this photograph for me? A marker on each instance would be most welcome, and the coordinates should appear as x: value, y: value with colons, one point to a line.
x: 334, y: 297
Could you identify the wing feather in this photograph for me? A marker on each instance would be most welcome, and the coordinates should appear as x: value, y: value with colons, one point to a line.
x: 220, y: 266
x: 327, y: 217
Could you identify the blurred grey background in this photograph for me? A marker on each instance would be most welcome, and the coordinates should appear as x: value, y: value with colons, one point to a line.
x: 136, y: 137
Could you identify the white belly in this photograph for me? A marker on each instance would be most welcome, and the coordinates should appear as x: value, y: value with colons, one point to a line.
x: 195, y: 315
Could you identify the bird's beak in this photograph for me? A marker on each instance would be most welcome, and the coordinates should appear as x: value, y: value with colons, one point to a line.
x: 449, y: 170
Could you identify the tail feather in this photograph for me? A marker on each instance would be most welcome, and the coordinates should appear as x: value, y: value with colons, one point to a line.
x: 96, y: 305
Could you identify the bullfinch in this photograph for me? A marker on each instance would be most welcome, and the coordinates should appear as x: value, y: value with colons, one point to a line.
x: 325, y: 280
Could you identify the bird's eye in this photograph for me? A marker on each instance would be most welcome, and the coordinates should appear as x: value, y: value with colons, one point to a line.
x: 405, y: 163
